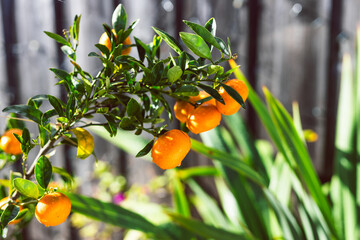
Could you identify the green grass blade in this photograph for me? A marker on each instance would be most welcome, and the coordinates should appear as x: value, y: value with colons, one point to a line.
x: 228, y: 160
x: 181, y: 203
x: 298, y: 157
x: 207, y: 208
x: 113, y: 214
x: 344, y: 180
x: 207, y: 231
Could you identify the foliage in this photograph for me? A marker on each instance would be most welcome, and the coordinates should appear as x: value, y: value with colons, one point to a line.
x: 262, y: 193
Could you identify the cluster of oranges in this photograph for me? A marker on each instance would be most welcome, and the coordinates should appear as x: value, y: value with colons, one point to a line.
x: 207, y: 115
x: 171, y: 148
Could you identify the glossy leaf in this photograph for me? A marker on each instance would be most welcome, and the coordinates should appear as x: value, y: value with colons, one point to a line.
x: 133, y: 108
x: 26, y: 187
x: 119, y: 18
x: 212, y: 93
x: 203, y: 33
x: 196, y: 44
x: 43, y: 172
x: 57, y: 104
x: 172, y: 42
x: 9, y: 214
x: 146, y: 149
x: 26, y: 111
x: 187, y: 90
x: 234, y: 94
x: 57, y: 38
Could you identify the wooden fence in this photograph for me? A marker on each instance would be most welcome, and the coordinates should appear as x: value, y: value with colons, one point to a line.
x: 292, y: 47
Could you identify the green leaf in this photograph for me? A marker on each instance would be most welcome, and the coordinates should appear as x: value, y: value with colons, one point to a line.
x: 206, y: 231
x: 9, y: 214
x: 196, y: 44
x: 174, y: 73
x: 212, y: 92
x: 43, y: 172
x: 180, y: 200
x: 64, y: 174
x: 26, y: 187
x: 127, y: 124
x: 26, y: 111
x: 203, y: 33
x: 70, y: 106
x: 133, y: 108
x: 69, y: 52
x: 57, y: 38
x: 64, y: 77
x: 187, y: 90
x: 224, y: 48
x: 114, y: 215
x: 210, y: 25
x: 146, y: 149
x: 76, y: 27
x: 57, y: 104
x: 234, y: 94
x: 119, y: 18
x: 172, y: 42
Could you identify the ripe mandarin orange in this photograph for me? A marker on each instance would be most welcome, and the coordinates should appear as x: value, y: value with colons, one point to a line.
x: 170, y: 149
x: 53, y: 209
x: 203, y: 118
x: 9, y: 143
x: 105, y: 40
x: 4, y: 203
x: 182, y: 108
x: 231, y: 105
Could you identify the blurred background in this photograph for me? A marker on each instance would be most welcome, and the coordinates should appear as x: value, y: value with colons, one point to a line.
x: 292, y: 47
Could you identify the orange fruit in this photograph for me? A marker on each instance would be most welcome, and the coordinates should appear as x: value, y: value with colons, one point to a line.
x: 182, y: 108
x: 53, y: 209
x: 170, y: 149
x: 9, y: 143
x: 203, y: 118
x: 231, y: 105
x: 105, y: 40
x: 4, y: 203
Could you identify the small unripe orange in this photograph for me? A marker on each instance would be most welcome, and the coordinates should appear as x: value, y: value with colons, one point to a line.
x: 203, y: 118
x: 231, y: 105
x: 170, y: 149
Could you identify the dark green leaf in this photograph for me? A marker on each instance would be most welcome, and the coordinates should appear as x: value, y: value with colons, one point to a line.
x: 187, y: 90
x: 127, y: 124
x: 43, y: 172
x: 9, y: 214
x: 133, y: 108
x: 146, y: 149
x: 172, y: 42
x: 196, y: 44
x: 210, y: 25
x: 142, y: 48
x: 224, y: 48
x: 70, y: 107
x: 203, y: 33
x: 57, y: 38
x: 102, y: 48
x: 64, y: 76
x: 44, y: 135
x: 57, y: 104
x: 26, y: 111
x: 234, y: 94
x: 26, y: 187
x: 119, y: 18
x: 212, y: 93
